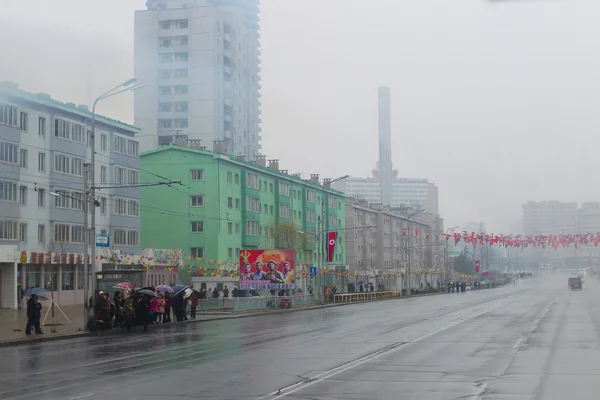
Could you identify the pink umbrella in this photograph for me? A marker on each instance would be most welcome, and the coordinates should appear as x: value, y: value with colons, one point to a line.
x: 124, y: 286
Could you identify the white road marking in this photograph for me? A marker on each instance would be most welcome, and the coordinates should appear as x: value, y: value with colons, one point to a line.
x: 82, y: 396
x: 516, y: 345
x: 370, y: 357
x: 482, y: 390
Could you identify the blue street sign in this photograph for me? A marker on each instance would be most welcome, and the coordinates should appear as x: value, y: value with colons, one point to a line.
x: 102, y: 241
x: 313, y: 271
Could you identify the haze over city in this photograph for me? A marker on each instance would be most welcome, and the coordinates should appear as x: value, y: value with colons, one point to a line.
x: 495, y: 103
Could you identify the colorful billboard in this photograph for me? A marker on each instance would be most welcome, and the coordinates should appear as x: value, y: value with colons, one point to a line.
x: 267, y: 269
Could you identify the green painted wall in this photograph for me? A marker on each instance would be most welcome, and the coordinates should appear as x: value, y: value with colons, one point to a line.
x: 167, y: 212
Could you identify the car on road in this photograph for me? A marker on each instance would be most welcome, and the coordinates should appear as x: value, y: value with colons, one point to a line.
x: 575, y: 284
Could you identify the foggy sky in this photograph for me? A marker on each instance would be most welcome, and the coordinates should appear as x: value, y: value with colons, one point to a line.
x: 495, y: 103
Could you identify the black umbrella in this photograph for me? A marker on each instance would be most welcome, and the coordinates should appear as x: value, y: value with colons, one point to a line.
x: 178, y: 289
x: 147, y: 292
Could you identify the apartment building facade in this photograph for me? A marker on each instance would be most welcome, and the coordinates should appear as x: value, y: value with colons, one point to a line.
x: 44, y: 151
x: 200, y: 59
x: 225, y: 204
x: 380, y: 241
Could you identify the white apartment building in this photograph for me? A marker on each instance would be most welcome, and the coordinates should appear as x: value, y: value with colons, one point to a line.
x: 200, y: 60
x: 44, y: 148
x: 406, y: 192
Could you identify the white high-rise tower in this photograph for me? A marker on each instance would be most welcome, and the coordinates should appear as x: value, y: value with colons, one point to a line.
x: 385, y: 146
x: 200, y: 62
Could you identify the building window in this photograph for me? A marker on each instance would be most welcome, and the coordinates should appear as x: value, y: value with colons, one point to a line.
x: 252, y: 228
x: 126, y: 146
x: 181, y: 73
x: 165, y: 90
x: 230, y: 202
x: 197, y: 252
x: 181, y: 40
x: 230, y: 228
x: 23, y: 158
x: 237, y: 204
x: 197, y: 201
x: 229, y: 177
x: 310, y: 196
x: 41, y: 234
x: 166, y: 58
x: 8, y: 152
x: 284, y: 211
x: 126, y: 237
x: 24, y: 122
x: 68, y: 165
x: 196, y: 174
x: 23, y: 232
x: 77, y: 235
x: 62, y: 233
x: 103, y: 142
x: 8, y: 191
x: 165, y: 123
x: 8, y: 115
x: 103, y: 205
x: 252, y: 181
x: 8, y: 230
x: 126, y: 176
x: 181, y: 122
x: 230, y: 253
x: 68, y: 199
x: 284, y: 189
x: 42, y: 126
x: 252, y: 204
x: 181, y: 89
x: 41, y: 197
x: 102, y: 174
x: 237, y: 178
x: 181, y: 24
x: 181, y: 56
x: 165, y: 74
x: 127, y: 207
x: 165, y: 107
x: 237, y: 228
x: 42, y: 162
x: 266, y: 209
x: 197, y: 226
x: 23, y: 195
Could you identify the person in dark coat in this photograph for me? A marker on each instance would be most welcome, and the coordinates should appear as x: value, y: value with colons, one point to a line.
x: 34, y: 314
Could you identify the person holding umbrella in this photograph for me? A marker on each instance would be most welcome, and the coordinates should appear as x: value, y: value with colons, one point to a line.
x: 34, y: 314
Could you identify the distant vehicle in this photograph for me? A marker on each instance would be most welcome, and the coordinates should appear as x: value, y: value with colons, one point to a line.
x: 573, y: 272
x: 575, y: 284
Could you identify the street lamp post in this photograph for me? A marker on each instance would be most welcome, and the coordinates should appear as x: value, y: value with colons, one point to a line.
x: 123, y: 87
x: 322, y: 249
x: 86, y: 206
x: 446, y: 250
x: 409, y: 253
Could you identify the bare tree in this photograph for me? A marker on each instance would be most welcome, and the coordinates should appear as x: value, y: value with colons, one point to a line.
x: 284, y: 236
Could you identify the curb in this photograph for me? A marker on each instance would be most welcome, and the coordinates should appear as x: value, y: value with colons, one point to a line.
x: 38, y: 339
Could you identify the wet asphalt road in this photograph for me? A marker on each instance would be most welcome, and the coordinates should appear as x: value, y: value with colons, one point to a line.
x: 537, y: 340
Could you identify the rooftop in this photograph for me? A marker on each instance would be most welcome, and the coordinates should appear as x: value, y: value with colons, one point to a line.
x: 245, y: 164
x: 13, y: 89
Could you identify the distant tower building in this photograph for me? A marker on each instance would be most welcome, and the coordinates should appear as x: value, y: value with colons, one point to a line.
x: 385, y: 145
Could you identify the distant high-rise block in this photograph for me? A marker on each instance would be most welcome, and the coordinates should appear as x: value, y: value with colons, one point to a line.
x: 385, y: 145
x: 200, y: 60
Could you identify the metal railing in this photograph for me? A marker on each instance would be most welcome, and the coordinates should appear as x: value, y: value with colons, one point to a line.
x: 250, y: 303
x: 365, y: 296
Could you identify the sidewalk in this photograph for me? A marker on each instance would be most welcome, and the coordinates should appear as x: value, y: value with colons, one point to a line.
x: 12, y: 322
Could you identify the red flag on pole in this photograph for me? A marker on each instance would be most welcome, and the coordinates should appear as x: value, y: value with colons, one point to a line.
x: 331, y: 239
x: 477, y: 264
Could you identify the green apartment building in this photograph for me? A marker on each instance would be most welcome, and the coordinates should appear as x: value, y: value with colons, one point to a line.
x: 225, y: 204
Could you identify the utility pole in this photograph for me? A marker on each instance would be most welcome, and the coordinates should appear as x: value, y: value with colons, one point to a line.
x: 86, y: 239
